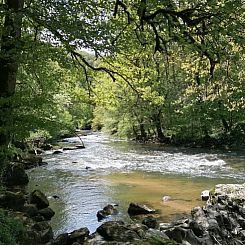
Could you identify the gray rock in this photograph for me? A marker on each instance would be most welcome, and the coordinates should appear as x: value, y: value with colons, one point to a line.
x: 180, y: 235
x: 117, y: 231
x: 205, y: 195
x: 79, y: 235
x: 62, y: 239
x: 107, y: 210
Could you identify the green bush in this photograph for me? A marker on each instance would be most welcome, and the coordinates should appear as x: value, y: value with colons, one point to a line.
x: 11, y: 230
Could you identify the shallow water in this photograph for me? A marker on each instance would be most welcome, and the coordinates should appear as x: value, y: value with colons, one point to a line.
x: 113, y: 171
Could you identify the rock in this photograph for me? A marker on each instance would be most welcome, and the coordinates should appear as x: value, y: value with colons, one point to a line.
x: 79, y: 235
x: 56, y: 197
x: 14, y: 174
x: 38, y: 218
x: 150, y: 222
x: 30, y: 209
x: 205, y: 195
x: 140, y: 229
x: 70, y: 148
x: 62, y: 239
x: 137, y: 209
x: 47, y: 213
x: 38, y: 198
x: 57, y: 152
x: 12, y: 200
x: 32, y: 161
x: 200, y: 217
x: 117, y: 231
x: 44, y: 230
x: 107, y: 210
x: 232, y: 191
x: 165, y: 226
x: 166, y: 198
x: 182, y: 236
x: 242, y: 235
x: 47, y: 147
x: 156, y: 237
x: 197, y: 228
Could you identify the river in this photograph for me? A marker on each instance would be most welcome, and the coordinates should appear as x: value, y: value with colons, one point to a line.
x: 120, y: 172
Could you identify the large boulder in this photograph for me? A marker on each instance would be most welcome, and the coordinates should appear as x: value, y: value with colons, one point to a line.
x: 14, y: 174
x: 137, y: 209
x: 12, y: 200
x: 78, y: 235
x: 32, y: 161
x: 232, y: 191
x: 117, y: 231
x: 47, y: 213
x: 30, y: 210
x: 45, y: 232
x: 62, y: 239
x: 38, y: 198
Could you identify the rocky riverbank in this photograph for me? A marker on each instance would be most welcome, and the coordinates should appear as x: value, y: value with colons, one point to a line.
x: 220, y: 221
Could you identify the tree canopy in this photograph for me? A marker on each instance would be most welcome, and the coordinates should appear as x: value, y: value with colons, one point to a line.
x: 162, y: 70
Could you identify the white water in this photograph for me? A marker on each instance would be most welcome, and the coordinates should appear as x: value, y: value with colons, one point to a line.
x: 77, y: 176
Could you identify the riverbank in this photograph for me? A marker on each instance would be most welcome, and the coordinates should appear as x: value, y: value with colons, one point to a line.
x: 220, y: 221
x: 86, y: 180
x: 80, y: 182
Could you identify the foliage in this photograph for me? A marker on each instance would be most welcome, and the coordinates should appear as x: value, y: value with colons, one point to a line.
x: 179, y: 73
x: 49, y: 95
x: 159, y: 69
x: 11, y: 231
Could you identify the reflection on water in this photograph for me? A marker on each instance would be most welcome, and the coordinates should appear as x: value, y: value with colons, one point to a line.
x: 150, y: 188
x: 110, y: 171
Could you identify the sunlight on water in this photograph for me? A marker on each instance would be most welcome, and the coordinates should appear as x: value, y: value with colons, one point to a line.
x: 112, y: 171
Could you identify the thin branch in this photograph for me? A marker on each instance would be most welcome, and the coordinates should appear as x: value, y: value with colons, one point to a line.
x: 111, y: 73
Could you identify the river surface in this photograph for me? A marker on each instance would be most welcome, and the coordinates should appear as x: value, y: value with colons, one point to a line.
x: 114, y: 171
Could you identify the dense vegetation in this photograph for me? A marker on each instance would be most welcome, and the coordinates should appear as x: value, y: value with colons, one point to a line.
x: 11, y: 230
x: 168, y: 71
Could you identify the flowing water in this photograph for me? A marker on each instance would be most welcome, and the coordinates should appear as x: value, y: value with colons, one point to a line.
x: 114, y: 171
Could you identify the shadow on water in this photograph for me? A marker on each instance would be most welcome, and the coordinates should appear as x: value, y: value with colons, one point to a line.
x: 81, y: 182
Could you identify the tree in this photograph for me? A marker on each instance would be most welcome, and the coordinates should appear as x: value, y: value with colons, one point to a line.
x: 9, y: 55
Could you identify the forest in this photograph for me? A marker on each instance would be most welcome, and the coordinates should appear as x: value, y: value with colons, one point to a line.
x: 167, y: 71
x: 157, y: 71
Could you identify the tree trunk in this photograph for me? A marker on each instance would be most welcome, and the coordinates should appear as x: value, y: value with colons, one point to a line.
x: 157, y: 121
x: 9, y: 56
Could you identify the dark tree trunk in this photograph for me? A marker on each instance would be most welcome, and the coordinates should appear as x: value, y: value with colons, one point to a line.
x: 143, y: 134
x: 9, y: 55
x: 160, y: 134
x: 157, y: 121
